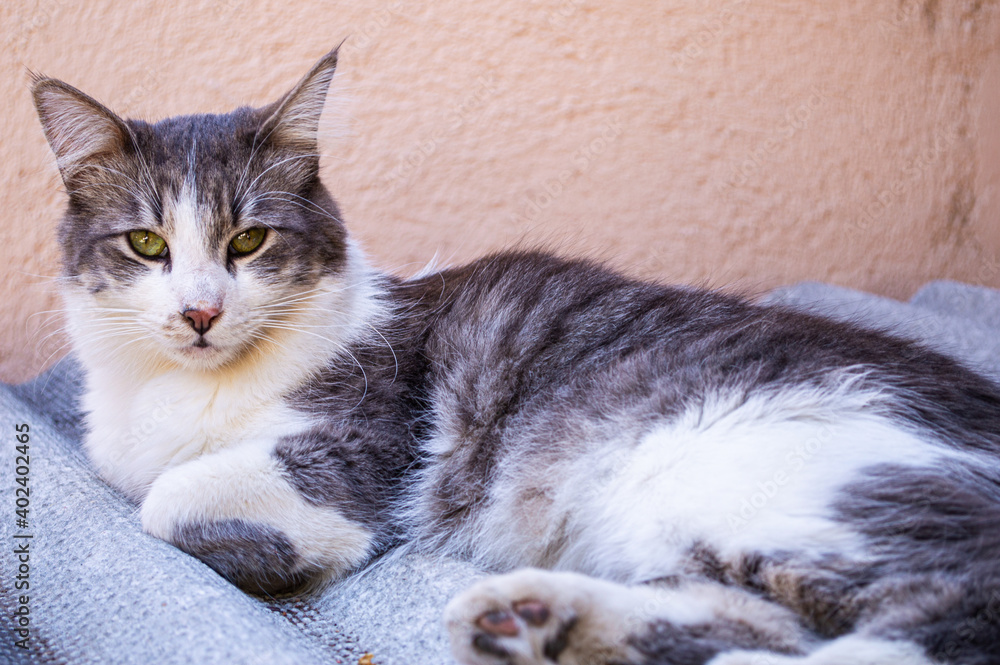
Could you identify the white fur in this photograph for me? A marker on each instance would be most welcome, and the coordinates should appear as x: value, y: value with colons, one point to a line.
x: 757, y: 478
x: 849, y: 650
x: 198, y: 279
x: 755, y: 474
x: 130, y: 385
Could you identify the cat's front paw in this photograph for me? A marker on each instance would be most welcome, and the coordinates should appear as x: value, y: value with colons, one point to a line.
x: 531, y: 617
x: 239, y: 545
x: 237, y: 512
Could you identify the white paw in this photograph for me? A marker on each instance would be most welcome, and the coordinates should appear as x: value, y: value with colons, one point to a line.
x: 754, y: 658
x: 530, y: 617
x: 535, y: 617
x: 240, y: 498
x: 847, y: 650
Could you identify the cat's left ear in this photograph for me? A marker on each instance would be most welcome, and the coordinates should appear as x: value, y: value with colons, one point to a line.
x: 294, y: 123
x: 81, y: 131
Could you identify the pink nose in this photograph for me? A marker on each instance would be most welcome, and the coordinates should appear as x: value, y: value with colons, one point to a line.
x: 201, y: 319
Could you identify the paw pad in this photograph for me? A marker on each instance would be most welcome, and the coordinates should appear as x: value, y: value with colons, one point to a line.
x: 523, y: 618
x: 534, y: 612
x: 499, y: 623
x: 503, y: 623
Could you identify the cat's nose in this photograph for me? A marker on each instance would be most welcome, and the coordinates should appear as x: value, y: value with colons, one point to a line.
x: 201, y: 318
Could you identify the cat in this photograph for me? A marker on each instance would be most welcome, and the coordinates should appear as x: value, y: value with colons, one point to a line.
x: 655, y: 474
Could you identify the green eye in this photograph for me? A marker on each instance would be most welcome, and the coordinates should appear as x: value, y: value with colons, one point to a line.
x: 249, y: 240
x: 148, y: 243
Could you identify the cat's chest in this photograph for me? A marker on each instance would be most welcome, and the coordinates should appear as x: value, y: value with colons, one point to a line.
x: 138, y: 429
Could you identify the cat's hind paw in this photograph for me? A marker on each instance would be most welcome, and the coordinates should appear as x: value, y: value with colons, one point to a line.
x: 537, y: 617
x: 529, y: 617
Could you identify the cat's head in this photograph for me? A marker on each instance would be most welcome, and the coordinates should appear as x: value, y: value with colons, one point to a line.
x: 193, y: 239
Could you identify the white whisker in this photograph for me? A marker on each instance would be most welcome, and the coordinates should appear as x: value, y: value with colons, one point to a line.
x: 391, y: 350
x: 273, y: 166
x: 278, y: 196
x: 343, y: 349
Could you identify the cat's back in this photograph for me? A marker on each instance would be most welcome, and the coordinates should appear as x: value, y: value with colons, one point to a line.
x: 546, y: 322
x: 524, y: 311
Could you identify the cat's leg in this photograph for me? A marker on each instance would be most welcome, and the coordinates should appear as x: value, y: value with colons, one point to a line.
x: 900, y: 618
x: 237, y: 511
x: 847, y: 650
x: 533, y: 616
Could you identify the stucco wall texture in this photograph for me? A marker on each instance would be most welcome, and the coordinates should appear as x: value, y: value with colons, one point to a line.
x: 741, y: 144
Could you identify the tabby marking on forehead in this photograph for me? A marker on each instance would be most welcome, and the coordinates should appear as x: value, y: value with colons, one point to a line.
x: 190, y: 177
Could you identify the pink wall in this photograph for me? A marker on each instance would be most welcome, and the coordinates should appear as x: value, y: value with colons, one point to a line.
x: 742, y: 144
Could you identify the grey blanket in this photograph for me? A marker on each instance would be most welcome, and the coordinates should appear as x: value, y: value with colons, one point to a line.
x: 103, y: 592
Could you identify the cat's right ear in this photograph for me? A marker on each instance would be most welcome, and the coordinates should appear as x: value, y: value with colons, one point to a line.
x: 294, y: 120
x: 80, y: 130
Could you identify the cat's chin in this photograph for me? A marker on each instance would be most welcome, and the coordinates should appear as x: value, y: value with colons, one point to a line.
x: 205, y: 357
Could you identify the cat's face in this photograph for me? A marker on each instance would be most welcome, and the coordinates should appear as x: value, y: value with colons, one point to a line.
x: 195, y: 238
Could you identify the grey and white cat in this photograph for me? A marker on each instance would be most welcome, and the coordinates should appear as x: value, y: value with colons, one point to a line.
x: 598, y: 436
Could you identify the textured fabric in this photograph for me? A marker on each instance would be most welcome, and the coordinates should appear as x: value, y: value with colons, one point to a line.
x: 103, y: 592
x: 959, y: 320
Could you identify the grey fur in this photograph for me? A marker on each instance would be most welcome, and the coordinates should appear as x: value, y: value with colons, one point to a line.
x: 524, y: 359
x: 254, y: 556
x: 663, y: 642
